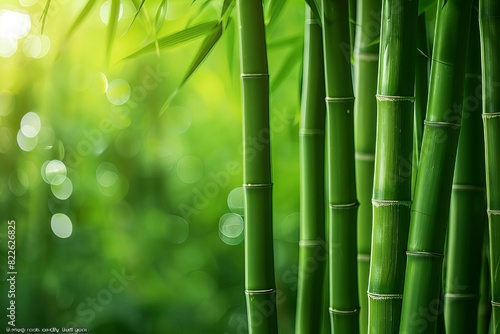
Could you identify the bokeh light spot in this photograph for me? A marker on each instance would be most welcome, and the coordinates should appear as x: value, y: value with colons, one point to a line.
x: 36, y: 46
x: 61, y: 225
x: 177, y: 230
x: 231, y: 226
x: 108, y: 179
x: 63, y: 190
x: 55, y: 172
x: 26, y: 143
x: 118, y: 92
x: 14, y: 24
x: 106, y: 9
x: 27, y: 3
x: 31, y: 124
x: 236, y: 201
x: 8, y: 46
x: 190, y: 169
x: 18, y: 182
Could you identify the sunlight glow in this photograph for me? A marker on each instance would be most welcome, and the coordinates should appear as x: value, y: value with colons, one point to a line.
x: 13, y: 26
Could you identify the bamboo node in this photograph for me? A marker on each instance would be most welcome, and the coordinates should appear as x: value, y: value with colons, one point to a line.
x: 366, y: 56
x: 339, y: 99
x: 467, y: 187
x: 311, y: 132
x: 364, y: 257
x: 311, y: 243
x: 254, y: 75
x: 260, y: 292
x: 442, y: 124
x: 490, y: 115
x: 257, y: 185
x: 312, y: 22
x: 390, y: 98
x: 422, y: 253
x: 344, y: 206
x: 384, y: 202
x: 343, y: 312
x: 384, y: 296
x: 364, y: 156
x: 495, y: 304
x: 493, y: 212
x: 461, y: 296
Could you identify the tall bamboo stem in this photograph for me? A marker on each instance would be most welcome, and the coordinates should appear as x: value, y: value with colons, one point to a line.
x: 467, y: 214
x: 343, y: 204
x: 312, y: 246
x: 393, y: 156
x: 259, y: 264
x: 430, y: 209
x: 489, y: 20
x: 365, y: 56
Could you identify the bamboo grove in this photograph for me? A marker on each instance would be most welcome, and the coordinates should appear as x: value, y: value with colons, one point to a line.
x: 411, y: 177
x: 399, y: 140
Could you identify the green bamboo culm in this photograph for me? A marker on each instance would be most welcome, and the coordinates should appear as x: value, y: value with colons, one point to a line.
x: 343, y: 204
x: 365, y: 57
x: 489, y: 23
x: 259, y: 264
x: 484, y: 307
x: 468, y: 204
x: 393, y: 159
x: 430, y: 208
x: 421, y: 93
x: 312, y: 246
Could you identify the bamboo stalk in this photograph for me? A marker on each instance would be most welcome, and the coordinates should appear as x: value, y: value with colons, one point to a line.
x: 489, y: 20
x: 484, y: 308
x: 259, y: 264
x: 343, y: 204
x: 467, y: 214
x: 430, y: 209
x: 312, y: 244
x: 365, y: 118
x: 421, y: 92
x: 393, y: 156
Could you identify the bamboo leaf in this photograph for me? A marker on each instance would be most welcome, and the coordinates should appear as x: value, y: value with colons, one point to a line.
x: 161, y: 12
x: 228, y: 4
x: 274, y: 10
x: 288, y: 64
x: 178, y: 38
x: 112, y: 25
x: 43, y: 17
x: 230, y: 34
x: 202, y: 54
x: 81, y: 17
x: 424, y: 5
x: 138, y: 10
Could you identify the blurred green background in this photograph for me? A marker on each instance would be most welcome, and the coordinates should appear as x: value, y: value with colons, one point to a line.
x: 128, y: 220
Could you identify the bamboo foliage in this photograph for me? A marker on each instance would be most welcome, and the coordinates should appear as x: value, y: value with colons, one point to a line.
x: 343, y: 204
x: 467, y: 211
x: 259, y: 264
x: 489, y: 23
x: 312, y: 162
x: 365, y: 113
x: 430, y: 209
x: 392, y: 178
